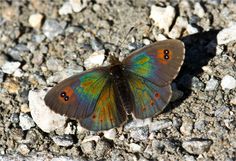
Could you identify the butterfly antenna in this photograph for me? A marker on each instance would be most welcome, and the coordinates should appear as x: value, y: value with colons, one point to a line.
x: 121, y: 43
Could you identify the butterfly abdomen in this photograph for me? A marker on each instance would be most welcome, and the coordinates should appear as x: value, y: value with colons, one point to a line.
x: 121, y: 87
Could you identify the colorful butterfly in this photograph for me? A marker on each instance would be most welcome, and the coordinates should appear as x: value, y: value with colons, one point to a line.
x: 102, y: 97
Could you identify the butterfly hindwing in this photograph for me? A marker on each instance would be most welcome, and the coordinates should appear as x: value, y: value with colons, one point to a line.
x: 159, y: 62
x: 108, y: 113
x: 77, y: 96
x: 149, y: 98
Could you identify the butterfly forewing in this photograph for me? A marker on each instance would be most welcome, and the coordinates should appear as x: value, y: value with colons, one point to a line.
x: 159, y: 62
x: 77, y: 96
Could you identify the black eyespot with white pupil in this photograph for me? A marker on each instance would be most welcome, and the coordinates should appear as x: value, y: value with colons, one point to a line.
x: 166, y: 54
x: 63, y: 95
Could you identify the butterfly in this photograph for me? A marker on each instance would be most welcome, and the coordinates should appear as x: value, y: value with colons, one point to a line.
x: 101, y: 98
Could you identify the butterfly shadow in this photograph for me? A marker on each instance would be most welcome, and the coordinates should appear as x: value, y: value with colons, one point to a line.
x: 200, y: 48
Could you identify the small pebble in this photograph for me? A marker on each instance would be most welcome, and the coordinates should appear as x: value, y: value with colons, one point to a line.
x: 189, y: 158
x: 137, y: 123
x: 23, y: 149
x: 227, y: 35
x: 12, y: 86
x: 91, y: 138
x: 1, y: 76
x: 180, y: 25
x: 159, y: 125
x: 95, y: 59
x: 110, y: 134
x: 196, y: 84
x: 18, y: 73
x: 228, y: 82
x: 37, y: 59
x: 15, y: 54
x: 10, y: 67
x: 211, y: 85
x: 26, y: 122
x: 54, y: 64
x: 191, y: 30
x: 38, y: 38
x: 15, y: 118
x: 35, y: 20
x: 52, y: 28
x: 96, y: 44
x: 135, y: 148
x: 64, y: 140
x: 233, y: 101
x: 198, y: 10
x: 102, y: 148
x: 3, y: 60
x: 65, y: 9
x: 140, y: 133
x: 78, y: 5
x: 197, y: 146
x: 187, y: 126
x: 163, y: 17
x: 88, y: 147
x: 70, y: 129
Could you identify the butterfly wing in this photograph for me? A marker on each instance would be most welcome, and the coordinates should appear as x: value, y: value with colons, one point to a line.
x: 149, y: 98
x: 159, y: 62
x: 77, y: 96
x: 108, y: 113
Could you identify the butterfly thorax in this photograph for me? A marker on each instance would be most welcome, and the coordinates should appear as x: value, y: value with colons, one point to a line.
x: 121, y: 86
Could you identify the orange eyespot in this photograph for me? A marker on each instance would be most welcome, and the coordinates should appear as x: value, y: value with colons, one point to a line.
x: 164, y: 56
x: 143, y: 108
x: 157, y: 95
x: 94, y: 116
x: 151, y: 102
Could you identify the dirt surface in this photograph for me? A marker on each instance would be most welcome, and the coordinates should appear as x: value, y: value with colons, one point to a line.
x: 43, y: 42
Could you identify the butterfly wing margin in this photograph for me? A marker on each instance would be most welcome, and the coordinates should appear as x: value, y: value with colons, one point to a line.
x: 82, y: 90
x: 149, y: 98
x: 108, y: 113
x: 159, y: 62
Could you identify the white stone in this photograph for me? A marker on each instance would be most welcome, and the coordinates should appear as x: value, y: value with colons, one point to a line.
x: 163, y: 17
x: 23, y: 149
x: 65, y: 140
x: 180, y: 25
x: 10, y: 67
x: 65, y: 9
x: 211, y: 85
x: 233, y: 101
x: 198, y: 10
x: 78, y: 5
x: 110, y: 134
x: 18, y: 73
x: 197, y: 146
x: 91, y: 138
x: 35, y: 20
x: 95, y: 59
x: 227, y: 35
x: 158, y: 125
x: 46, y: 119
x: 135, y: 147
x: 137, y: 123
x: 70, y: 129
x: 191, y: 30
x: 26, y: 122
x: 228, y: 82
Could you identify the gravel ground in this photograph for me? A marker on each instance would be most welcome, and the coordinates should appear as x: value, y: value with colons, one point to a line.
x: 43, y: 42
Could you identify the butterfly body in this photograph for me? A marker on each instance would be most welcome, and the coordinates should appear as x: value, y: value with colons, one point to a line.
x: 102, y: 97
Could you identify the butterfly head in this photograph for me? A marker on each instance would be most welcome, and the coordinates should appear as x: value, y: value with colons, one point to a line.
x: 113, y: 60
